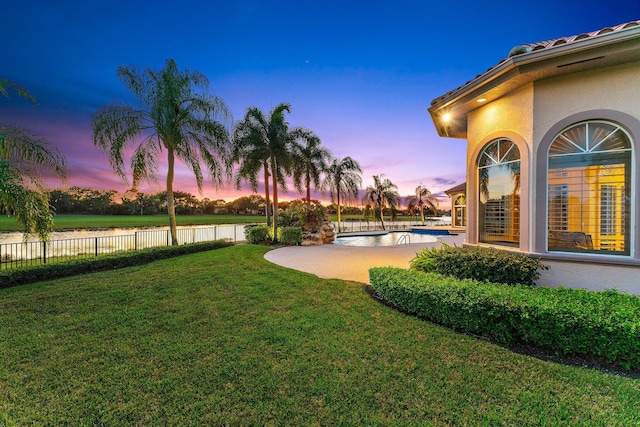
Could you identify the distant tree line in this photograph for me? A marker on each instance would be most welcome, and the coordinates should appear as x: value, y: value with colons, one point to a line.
x: 87, y: 201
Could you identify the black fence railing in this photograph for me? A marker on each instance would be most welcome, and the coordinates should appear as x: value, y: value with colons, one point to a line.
x: 23, y: 254
x: 359, y: 225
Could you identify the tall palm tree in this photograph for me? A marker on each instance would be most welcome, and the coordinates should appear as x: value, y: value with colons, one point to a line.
x: 265, y: 142
x: 422, y: 198
x: 310, y: 161
x: 383, y: 193
x: 343, y: 181
x: 188, y: 124
x: 24, y: 157
x: 251, y: 152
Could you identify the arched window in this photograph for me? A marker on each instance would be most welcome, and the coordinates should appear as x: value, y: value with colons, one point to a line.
x: 460, y: 211
x: 499, y: 193
x: 589, y: 189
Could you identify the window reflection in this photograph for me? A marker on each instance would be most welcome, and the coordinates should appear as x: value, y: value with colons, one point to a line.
x: 589, y: 190
x: 499, y: 207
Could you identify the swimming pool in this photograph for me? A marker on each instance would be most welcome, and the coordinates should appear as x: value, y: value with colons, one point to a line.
x: 388, y: 239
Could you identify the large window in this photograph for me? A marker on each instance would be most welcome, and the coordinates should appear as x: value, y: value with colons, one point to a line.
x: 589, y: 187
x: 499, y: 193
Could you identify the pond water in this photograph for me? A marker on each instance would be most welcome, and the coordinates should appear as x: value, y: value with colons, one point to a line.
x: 388, y: 239
x: 235, y: 232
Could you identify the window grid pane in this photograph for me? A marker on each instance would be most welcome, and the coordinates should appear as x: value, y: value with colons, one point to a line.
x: 499, y: 188
x: 587, y: 192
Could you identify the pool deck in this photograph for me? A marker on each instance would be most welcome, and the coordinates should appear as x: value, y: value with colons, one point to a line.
x: 351, y: 262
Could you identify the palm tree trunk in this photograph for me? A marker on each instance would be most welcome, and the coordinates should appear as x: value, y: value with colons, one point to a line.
x: 171, y: 208
x: 381, y: 215
x: 308, y: 190
x: 422, y: 214
x: 266, y: 192
x: 275, y: 198
x: 338, y: 210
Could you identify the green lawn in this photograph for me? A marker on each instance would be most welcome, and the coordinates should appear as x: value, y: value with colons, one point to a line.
x: 226, y: 337
x: 65, y: 222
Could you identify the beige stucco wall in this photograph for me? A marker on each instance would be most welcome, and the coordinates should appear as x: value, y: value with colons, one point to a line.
x: 507, y: 117
x: 613, y: 88
x: 594, y: 277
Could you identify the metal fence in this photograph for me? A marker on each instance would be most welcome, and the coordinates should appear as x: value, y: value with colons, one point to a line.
x: 356, y: 226
x: 16, y: 255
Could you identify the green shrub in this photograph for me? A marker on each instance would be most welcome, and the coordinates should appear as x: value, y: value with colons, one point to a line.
x: 425, y: 260
x: 605, y: 325
x: 258, y: 234
x: 301, y: 214
x: 290, y: 235
x: 57, y: 270
x: 484, y: 264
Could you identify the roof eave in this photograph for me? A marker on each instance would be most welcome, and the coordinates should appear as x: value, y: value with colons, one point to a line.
x: 522, y: 69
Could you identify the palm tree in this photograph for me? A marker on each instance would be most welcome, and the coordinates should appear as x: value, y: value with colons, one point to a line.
x: 383, y: 193
x: 174, y: 116
x: 24, y: 157
x: 343, y: 181
x: 265, y: 142
x: 422, y: 199
x: 310, y: 161
x: 251, y: 152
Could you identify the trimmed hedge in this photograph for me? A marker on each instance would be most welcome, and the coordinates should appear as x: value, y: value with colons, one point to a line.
x: 258, y: 234
x: 9, y: 278
x: 291, y: 236
x: 484, y: 264
x: 605, y: 325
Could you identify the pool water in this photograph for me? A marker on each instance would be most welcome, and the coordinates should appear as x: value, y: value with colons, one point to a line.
x: 388, y: 239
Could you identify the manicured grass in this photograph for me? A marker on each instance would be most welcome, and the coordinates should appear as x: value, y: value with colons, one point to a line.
x: 65, y: 222
x: 226, y: 337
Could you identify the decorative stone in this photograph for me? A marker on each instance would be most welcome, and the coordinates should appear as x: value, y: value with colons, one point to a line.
x: 312, y: 235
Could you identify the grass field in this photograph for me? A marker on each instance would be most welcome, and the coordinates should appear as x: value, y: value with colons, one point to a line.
x: 224, y: 337
x: 66, y: 222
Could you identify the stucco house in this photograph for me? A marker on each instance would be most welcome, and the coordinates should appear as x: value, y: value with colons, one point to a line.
x: 553, y: 150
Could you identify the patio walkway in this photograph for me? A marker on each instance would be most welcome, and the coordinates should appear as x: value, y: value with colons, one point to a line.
x: 350, y: 262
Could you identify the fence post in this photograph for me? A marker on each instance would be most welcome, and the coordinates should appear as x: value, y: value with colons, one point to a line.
x: 44, y: 252
x: 96, y: 246
x: 168, y: 237
x: 135, y: 241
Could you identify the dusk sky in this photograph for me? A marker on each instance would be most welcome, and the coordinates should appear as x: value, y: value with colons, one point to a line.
x: 360, y: 74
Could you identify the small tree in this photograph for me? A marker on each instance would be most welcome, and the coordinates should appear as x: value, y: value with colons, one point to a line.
x: 343, y: 181
x: 423, y: 199
x: 383, y: 193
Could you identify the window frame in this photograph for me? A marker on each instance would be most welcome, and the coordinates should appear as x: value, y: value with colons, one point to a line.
x: 597, y: 157
x: 503, y: 158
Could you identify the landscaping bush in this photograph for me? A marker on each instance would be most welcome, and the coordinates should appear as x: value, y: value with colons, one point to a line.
x: 290, y: 235
x: 301, y: 214
x: 258, y: 234
x: 605, y: 325
x: 484, y: 264
x: 57, y: 270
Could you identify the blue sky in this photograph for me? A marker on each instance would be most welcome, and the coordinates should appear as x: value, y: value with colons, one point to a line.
x: 360, y: 74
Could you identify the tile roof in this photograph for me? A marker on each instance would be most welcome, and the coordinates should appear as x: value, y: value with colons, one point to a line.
x: 460, y: 188
x: 546, y: 45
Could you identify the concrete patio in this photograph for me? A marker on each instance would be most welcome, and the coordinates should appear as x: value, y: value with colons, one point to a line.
x: 351, y: 262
